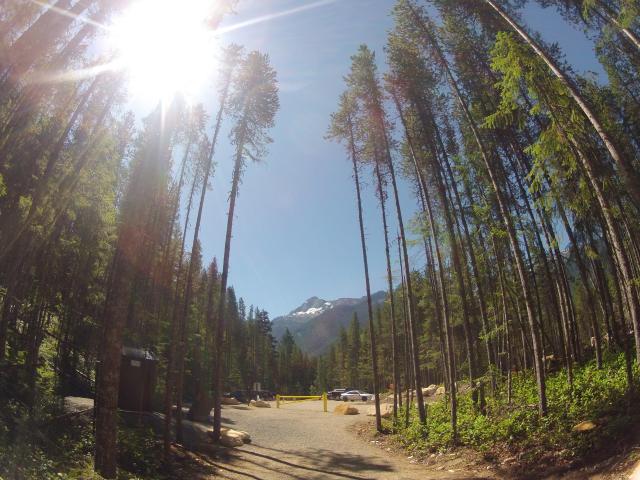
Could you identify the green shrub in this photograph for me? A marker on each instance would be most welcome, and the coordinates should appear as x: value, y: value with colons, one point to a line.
x: 599, y: 395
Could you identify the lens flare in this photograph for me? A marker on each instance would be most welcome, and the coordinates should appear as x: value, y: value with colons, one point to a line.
x: 165, y: 46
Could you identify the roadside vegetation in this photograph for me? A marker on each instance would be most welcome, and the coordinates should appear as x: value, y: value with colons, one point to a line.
x: 585, y: 424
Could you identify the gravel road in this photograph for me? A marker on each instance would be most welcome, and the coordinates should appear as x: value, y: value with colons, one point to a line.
x: 300, y: 441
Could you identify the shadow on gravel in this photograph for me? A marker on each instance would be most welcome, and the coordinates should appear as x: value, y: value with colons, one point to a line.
x: 292, y: 462
x: 224, y: 468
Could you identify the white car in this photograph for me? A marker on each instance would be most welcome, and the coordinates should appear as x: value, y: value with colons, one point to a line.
x: 355, y: 395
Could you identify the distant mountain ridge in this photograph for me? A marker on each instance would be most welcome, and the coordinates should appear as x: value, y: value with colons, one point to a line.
x: 316, y: 323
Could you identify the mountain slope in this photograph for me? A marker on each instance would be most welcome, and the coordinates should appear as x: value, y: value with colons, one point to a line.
x: 316, y: 323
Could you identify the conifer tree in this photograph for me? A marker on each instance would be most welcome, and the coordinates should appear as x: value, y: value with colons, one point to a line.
x: 253, y: 106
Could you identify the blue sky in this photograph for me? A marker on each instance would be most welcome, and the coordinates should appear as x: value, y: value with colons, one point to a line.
x: 296, y: 232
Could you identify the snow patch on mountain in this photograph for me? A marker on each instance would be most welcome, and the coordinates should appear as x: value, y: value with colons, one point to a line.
x: 312, y: 310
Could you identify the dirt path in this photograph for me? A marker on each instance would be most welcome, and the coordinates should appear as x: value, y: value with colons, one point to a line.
x: 299, y: 441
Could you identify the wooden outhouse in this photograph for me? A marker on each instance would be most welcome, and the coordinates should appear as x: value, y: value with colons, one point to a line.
x: 137, y: 379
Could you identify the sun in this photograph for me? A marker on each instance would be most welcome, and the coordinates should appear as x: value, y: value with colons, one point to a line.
x: 165, y: 46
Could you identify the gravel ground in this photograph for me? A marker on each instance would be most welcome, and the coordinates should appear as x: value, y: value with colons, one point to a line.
x: 300, y: 441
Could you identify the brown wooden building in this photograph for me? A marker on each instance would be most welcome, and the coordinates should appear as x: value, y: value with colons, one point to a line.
x: 137, y: 379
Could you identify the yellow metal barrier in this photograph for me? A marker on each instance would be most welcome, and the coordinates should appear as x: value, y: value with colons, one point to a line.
x: 301, y: 398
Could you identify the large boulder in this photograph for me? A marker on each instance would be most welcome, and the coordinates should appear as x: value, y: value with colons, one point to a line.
x: 260, y: 404
x: 440, y: 391
x: 429, y: 391
x: 231, y: 439
x: 229, y: 401
x: 77, y: 404
x: 386, y: 410
x: 345, y: 409
x: 246, y: 438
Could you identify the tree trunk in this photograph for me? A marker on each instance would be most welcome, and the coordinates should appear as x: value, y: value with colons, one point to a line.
x: 407, y: 341
x: 175, y: 331
x: 374, y: 363
x: 472, y: 257
x: 108, y: 371
x: 411, y: 300
x: 427, y: 119
x: 609, y: 16
x: 394, y: 341
x: 184, y: 317
x: 448, y: 335
x: 220, y: 326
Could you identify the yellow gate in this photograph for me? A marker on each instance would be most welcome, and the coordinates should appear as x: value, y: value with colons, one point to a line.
x: 301, y: 398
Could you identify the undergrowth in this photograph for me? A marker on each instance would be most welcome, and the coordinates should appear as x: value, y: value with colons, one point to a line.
x: 601, y: 396
x: 39, y: 441
x: 64, y: 451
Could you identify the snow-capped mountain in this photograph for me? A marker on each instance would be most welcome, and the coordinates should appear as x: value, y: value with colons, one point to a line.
x: 316, y: 323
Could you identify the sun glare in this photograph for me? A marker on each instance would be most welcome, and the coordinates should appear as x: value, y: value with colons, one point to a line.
x: 165, y: 46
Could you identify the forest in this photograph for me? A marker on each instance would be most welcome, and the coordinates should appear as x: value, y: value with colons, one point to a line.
x: 525, y: 172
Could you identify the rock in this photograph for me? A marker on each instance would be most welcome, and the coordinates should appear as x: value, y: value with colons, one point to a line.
x: 585, y: 426
x: 429, y: 391
x: 77, y: 404
x: 260, y: 404
x: 344, y: 409
x: 440, y: 391
x: 246, y: 438
x: 229, y: 401
x: 386, y: 410
x: 231, y: 439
